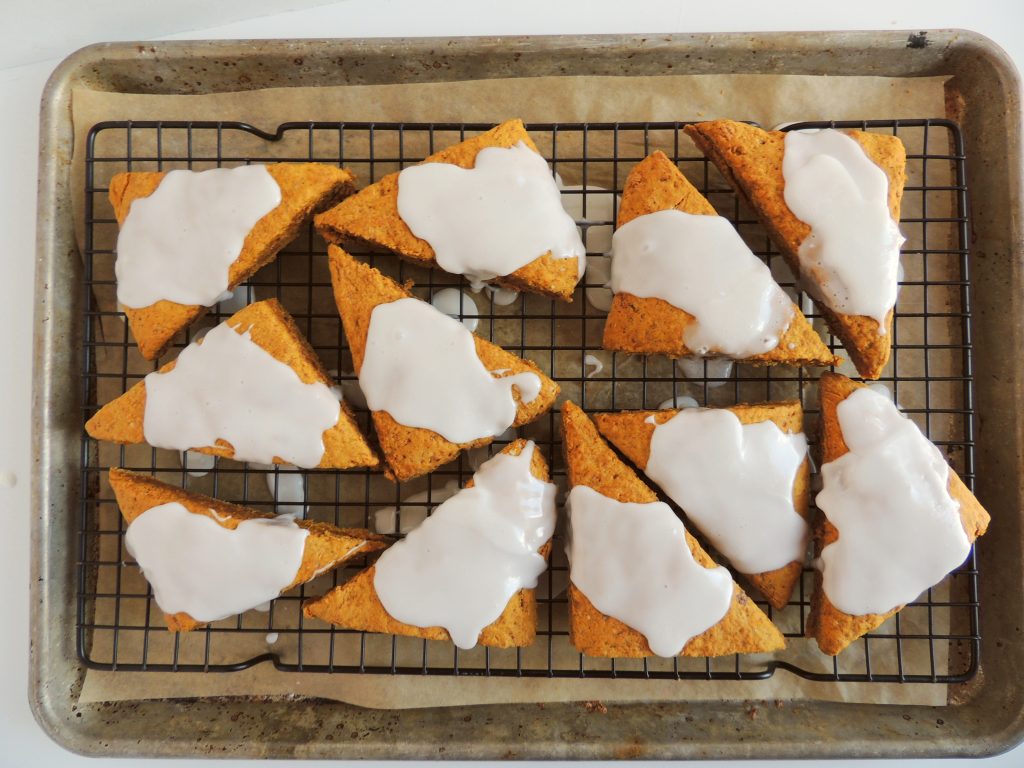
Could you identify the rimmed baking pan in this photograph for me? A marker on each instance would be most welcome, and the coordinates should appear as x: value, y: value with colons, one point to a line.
x: 984, y: 715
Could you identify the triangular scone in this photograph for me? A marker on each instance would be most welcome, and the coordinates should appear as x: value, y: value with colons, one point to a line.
x: 652, y: 325
x: 833, y: 629
x: 371, y: 215
x: 305, y: 189
x: 326, y: 546
x: 591, y: 462
x: 355, y: 604
x: 413, y: 451
x: 751, y: 161
x: 273, y: 329
x: 631, y: 433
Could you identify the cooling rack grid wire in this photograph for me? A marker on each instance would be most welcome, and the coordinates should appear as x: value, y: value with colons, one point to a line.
x: 119, y: 626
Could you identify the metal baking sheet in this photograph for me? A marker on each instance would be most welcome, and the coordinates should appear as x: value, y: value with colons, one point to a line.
x: 987, y: 716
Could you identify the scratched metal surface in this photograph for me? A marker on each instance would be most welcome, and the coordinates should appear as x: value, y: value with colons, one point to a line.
x: 984, y: 715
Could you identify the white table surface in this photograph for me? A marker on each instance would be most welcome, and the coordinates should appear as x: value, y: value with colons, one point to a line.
x: 36, y: 34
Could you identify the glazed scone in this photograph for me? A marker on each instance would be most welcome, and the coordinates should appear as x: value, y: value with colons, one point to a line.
x: 591, y: 462
x: 834, y: 629
x: 651, y: 325
x: 371, y: 215
x: 356, y: 604
x: 323, y: 548
x: 271, y: 328
x: 751, y: 160
x: 631, y: 433
x: 411, y: 451
x: 305, y: 189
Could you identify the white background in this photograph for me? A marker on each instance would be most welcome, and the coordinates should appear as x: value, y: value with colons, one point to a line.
x: 36, y: 34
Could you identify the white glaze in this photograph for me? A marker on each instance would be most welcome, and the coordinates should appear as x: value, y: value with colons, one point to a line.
x: 210, y: 572
x: 715, y: 369
x: 228, y: 387
x: 595, y: 362
x: 632, y: 562
x: 596, y: 228
x: 900, y: 530
x: 501, y: 297
x: 678, y: 401
x: 237, y: 299
x: 490, y: 220
x: 179, y: 242
x: 459, y: 569
x: 599, y: 272
x: 806, y: 303
x: 475, y: 457
x: 199, y: 464
x: 422, y: 368
x: 701, y: 265
x: 734, y: 481
x: 386, y: 520
x: 853, y: 251
x: 288, y: 490
x: 554, y: 585
x: 458, y: 305
x: 507, y: 436
x: 349, y: 385
x: 596, y: 225
x: 882, y: 389
x: 271, y: 638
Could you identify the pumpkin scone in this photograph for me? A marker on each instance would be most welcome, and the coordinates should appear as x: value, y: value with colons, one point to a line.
x: 701, y: 290
x: 640, y: 584
x: 251, y: 389
x: 207, y: 560
x: 186, y: 238
x: 468, y: 572
x: 894, y: 518
x: 487, y: 208
x: 741, y: 474
x: 843, y: 239
x: 433, y: 387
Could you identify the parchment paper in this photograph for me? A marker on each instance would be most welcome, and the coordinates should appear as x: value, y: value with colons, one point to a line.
x: 768, y: 100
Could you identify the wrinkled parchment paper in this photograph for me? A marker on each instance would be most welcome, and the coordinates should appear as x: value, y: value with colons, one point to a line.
x: 768, y: 100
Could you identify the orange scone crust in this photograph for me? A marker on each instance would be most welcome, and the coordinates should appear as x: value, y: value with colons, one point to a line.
x: 325, y: 547
x: 272, y: 328
x: 591, y: 462
x: 371, y: 216
x: 833, y: 629
x: 751, y: 161
x: 413, y: 451
x: 356, y: 605
x: 631, y: 432
x: 305, y: 189
x: 650, y: 325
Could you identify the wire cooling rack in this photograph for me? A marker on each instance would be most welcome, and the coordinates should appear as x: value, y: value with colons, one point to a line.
x: 119, y: 625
